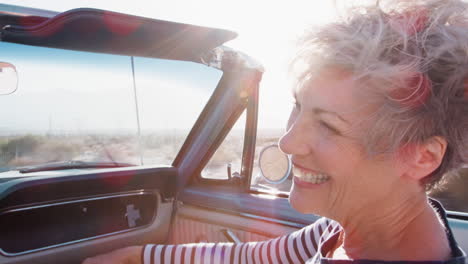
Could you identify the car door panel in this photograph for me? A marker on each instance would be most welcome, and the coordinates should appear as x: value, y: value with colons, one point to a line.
x: 205, y: 215
x: 72, y: 253
x: 262, y: 205
x: 198, y: 224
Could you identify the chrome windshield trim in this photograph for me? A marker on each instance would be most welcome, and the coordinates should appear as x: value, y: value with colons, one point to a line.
x: 223, y: 57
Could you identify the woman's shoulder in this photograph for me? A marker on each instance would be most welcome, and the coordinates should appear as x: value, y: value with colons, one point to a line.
x: 441, y: 213
x: 323, y: 227
x: 326, y: 222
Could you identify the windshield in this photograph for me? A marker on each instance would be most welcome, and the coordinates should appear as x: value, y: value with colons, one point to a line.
x: 92, y: 107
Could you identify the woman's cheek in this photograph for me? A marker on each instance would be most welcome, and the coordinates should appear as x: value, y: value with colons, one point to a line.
x: 333, y: 150
x: 326, y: 145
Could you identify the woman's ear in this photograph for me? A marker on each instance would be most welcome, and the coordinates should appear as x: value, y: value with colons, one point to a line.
x: 425, y: 157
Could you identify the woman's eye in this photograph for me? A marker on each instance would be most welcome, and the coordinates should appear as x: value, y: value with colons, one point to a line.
x: 328, y: 127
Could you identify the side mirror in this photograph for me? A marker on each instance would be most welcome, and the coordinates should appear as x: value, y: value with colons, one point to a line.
x: 8, y: 78
x: 275, y: 166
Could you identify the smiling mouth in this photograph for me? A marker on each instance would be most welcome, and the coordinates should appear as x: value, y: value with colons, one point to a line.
x: 309, y: 176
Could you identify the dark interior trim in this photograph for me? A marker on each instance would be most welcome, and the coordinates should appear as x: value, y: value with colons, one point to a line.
x: 22, y: 213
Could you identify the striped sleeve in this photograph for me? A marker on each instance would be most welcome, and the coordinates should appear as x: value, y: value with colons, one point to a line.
x: 296, y: 247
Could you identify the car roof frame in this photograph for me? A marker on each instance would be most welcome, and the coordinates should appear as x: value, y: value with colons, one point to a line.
x: 95, y: 30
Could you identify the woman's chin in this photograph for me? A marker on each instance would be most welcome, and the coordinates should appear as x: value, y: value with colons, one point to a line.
x: 302, y: 203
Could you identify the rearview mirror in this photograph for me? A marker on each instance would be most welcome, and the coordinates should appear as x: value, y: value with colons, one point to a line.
x: 8, y: 78
x: 275, y: 166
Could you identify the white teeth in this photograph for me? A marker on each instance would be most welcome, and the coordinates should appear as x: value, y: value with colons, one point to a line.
x: 309, y: 177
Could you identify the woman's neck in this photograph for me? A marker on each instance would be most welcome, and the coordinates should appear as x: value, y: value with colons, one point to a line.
x: 409, y: 231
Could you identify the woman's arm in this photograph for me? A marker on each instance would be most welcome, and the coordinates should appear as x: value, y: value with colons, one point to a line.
x: 296, y: 247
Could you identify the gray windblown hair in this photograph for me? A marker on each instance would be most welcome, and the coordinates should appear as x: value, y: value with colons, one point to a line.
x: 411, y: 58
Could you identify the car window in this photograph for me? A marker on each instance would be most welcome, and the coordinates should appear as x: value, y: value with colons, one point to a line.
x: 72, y: 105
x: 228, y: 154
x: 171, y: 96
x: 68, y: 105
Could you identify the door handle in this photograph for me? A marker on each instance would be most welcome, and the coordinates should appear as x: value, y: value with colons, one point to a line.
x: 230, y: 236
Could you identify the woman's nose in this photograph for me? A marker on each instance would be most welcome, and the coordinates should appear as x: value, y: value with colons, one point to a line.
x: 295, y: 141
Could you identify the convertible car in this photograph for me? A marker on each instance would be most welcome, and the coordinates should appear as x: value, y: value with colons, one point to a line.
x: 119, y: 130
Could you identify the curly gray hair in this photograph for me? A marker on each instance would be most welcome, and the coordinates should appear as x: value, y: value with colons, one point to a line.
x: 412, y: 56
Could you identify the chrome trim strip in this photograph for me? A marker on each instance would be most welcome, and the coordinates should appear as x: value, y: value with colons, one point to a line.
x: 158, y: 201
x: 76, y: 201
x: 457, y: 214
x: 282, y: 222
x: 252, y: 216
x: 269, y: 191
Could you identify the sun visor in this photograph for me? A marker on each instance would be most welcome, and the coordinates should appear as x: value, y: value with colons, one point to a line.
x: 95, y: 30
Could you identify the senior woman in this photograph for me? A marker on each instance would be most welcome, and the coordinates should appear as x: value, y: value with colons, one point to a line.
x: 381, y: 113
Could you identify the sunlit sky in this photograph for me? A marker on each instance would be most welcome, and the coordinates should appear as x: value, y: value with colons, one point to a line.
x: 267, y: 31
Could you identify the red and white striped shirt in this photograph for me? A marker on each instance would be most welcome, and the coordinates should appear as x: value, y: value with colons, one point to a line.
x: 297, y: 247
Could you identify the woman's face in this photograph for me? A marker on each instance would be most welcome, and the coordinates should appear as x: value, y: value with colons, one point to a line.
x: 332, y: 174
